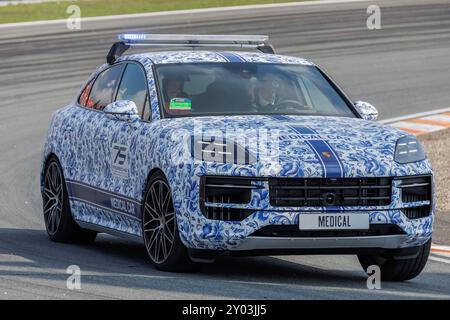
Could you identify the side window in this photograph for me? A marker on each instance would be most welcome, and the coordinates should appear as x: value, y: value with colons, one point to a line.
x: 133, y: 86
x: 147, y: 112
x: 325, y: 100
x: 84, y: 96
x: 104, y: 87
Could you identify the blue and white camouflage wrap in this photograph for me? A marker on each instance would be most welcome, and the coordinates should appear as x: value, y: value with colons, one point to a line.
x: 100, y: 194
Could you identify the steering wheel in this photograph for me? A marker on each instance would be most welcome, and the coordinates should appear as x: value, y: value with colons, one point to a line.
x: 288, y: 104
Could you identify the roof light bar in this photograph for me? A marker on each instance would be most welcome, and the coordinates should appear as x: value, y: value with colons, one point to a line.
x: 189, y: 40
x: 127, y: 40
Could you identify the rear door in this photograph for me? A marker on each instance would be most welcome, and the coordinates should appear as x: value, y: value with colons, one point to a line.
x: 88, y: 189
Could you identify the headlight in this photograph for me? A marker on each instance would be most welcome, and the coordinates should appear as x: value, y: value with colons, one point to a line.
x: 220, y: 150
x: 408, y: 149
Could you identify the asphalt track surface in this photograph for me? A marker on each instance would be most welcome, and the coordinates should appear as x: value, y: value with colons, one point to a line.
x: 402, y: 68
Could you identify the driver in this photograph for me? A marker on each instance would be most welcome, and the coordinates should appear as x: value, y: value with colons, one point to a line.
x: 267, y: 91
x: 173, y: 88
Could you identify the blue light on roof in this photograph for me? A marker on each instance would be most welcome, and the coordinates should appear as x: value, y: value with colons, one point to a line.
x: 132, y: 37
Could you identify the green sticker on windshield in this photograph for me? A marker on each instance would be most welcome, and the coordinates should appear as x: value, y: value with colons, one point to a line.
x: 180, y: 104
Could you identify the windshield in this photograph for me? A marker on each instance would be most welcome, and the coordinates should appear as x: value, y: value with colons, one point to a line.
x: 247, y: 88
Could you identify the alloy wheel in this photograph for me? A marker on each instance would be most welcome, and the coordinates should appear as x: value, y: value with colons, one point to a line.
x: 159, y: 223
x: 53, y: 197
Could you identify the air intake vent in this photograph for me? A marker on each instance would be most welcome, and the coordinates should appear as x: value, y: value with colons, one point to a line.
x: 227, y: 190
x: 417, y: 212
x: 416, y: 189
x: 292, y: 231
x: 217, y: 192
x: 226, y: 214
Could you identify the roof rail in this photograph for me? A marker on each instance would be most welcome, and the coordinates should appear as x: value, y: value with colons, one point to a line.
x: 258, y: 42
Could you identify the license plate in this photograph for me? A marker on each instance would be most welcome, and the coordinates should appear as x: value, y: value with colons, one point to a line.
x: 334, y: 221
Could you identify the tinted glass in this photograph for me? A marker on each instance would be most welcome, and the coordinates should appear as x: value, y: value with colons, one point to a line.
x: 104, y: 87
x: 147, y: 112
x: 84, y: 96
x: 247, y: 88
x: 133, y: 86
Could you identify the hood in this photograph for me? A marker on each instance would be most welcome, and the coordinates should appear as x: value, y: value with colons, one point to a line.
x: 308, y: 146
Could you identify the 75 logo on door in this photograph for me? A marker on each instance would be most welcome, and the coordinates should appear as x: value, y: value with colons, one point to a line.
x: 119, y: 160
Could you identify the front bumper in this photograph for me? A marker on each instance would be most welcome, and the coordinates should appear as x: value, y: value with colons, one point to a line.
x: 271, y: 243
x: 238, y: 236
x: 199, y: 232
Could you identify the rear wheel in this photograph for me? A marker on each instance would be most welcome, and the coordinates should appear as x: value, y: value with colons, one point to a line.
x: 160, y: 230
x: 397, y: 268
x: 57, y: 215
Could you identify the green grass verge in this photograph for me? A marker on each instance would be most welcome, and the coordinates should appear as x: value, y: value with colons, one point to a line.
x: 91, y: 8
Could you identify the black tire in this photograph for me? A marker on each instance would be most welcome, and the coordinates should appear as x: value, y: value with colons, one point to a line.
x: 59, y: 223
x: 396, y: 268
x: 160, y: 230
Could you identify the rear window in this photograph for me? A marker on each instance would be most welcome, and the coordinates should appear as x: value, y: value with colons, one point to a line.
x: 84, y: 96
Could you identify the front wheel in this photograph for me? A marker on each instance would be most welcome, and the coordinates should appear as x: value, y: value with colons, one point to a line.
x: 160, y: 229
x: 397, y: 268
x: 57, y: 215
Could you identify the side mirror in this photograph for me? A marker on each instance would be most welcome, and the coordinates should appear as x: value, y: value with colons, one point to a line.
x: 366, y: 110
x: 124, y: 110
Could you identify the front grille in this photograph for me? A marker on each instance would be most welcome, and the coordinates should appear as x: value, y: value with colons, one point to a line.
x: 416, y: 189
x: 225, y: 190
x: 314, y: 192
x: 293, y: 231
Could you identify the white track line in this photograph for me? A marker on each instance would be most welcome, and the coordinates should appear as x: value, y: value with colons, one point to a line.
x: 418, y: 126
x: 433, y: 258
x: 19, y: 2
x: 440, y: 253
x: 441, y: 247
x: 423, y: 122
x: 178, y: 12
x: 415, y: 115
x: 438, y: 117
